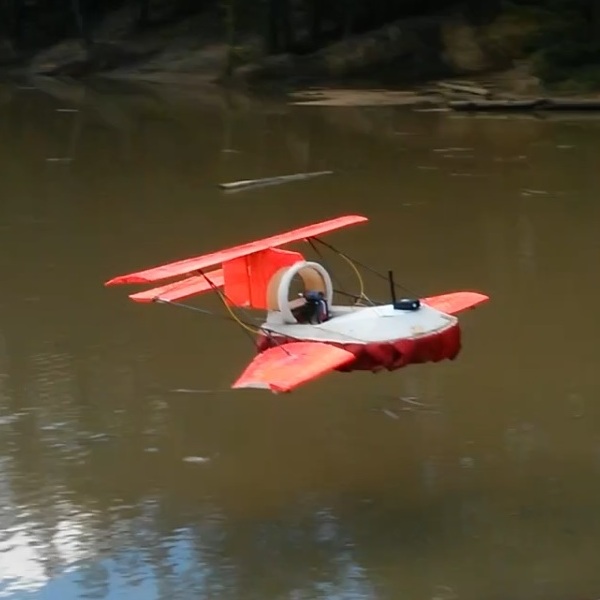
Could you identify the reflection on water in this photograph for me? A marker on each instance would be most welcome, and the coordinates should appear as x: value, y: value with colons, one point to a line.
x: 472, y: 479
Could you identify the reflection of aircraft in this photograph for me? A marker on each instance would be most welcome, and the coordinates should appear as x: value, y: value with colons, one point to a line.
x: 307, y: 337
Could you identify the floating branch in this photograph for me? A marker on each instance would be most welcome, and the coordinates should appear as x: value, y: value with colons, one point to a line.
x: 244, y: 184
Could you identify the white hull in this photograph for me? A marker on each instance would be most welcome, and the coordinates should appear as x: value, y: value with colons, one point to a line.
x: 364, y: 325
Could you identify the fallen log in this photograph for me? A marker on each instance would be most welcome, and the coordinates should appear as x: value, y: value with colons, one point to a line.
x: 488, y: 105
x: 536, y: 104
x: 575, y: 104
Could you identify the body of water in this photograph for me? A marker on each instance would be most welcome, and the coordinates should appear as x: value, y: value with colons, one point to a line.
x: 476, y: 479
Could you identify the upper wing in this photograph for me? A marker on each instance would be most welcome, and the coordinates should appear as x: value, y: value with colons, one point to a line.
x: 283, y: 368
x: 455, y: 302
x: 188, y: 265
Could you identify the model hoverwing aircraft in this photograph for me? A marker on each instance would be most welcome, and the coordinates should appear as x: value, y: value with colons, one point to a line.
x: 308, y: 336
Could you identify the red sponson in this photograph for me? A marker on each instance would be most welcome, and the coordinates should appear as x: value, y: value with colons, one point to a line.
x: 390, y: 355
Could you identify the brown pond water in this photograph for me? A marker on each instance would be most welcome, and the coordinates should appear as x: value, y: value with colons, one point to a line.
x: 112, y: 485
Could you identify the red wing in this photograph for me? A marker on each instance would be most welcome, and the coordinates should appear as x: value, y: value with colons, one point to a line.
x: 283, y: 368
x: 188, y: 265
x: 455, y: 302
x: 185, y: 288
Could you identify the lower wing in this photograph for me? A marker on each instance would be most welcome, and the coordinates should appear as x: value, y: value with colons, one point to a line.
x: 285, y: 367
x: 455, y: 302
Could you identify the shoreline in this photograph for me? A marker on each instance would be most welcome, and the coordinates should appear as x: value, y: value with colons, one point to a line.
x: 447, y: 95
x: 452, y: 95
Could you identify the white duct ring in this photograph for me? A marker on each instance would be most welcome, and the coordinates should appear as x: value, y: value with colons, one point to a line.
x: 286, y: 281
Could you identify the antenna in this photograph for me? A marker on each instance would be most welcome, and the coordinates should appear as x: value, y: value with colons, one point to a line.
x: 405, y: 303
x: 392, y: 287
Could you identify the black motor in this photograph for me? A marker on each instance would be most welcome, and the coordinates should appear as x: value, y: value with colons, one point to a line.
x: 315, y: 310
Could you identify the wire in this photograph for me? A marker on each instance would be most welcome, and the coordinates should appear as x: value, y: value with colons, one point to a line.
x: 375, y: 272
x: 352, y: 264
x: 249, y: 329
x: 362, y: 294
x: 361, y: 283
x: 357, y: 298
x: 203, y: 311
x: 225, y: 302
x: 322, y: 259
x: 268, y: 332
x: 252, y: 330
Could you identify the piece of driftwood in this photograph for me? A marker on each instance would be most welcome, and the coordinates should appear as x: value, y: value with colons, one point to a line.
x: 575, y: 104
x: 536, y: 104
x: 244, y: 184
x: 464, y: 88
x: 475, y: 105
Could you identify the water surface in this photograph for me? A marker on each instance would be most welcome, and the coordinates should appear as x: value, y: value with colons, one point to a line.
x: 475, y: 479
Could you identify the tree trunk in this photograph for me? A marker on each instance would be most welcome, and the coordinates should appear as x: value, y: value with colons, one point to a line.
x: 230, y: 27
x: 279, y: 31
x: 81, y: 23
x: 144, y: 13
x: 349, y: 16
x: 271, y: 36
x: 595, y: 16
x: 316, y: 20
x: 14, y: 12
x: 5, y: 20
x: 480, y: 13
x: 285, y: 24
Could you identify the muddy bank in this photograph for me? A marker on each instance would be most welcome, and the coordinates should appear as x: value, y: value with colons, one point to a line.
x: 454, y: 95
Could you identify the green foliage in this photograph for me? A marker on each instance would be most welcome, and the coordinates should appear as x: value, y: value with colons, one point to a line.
x: 565, y: 45
x: 562, y: 36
